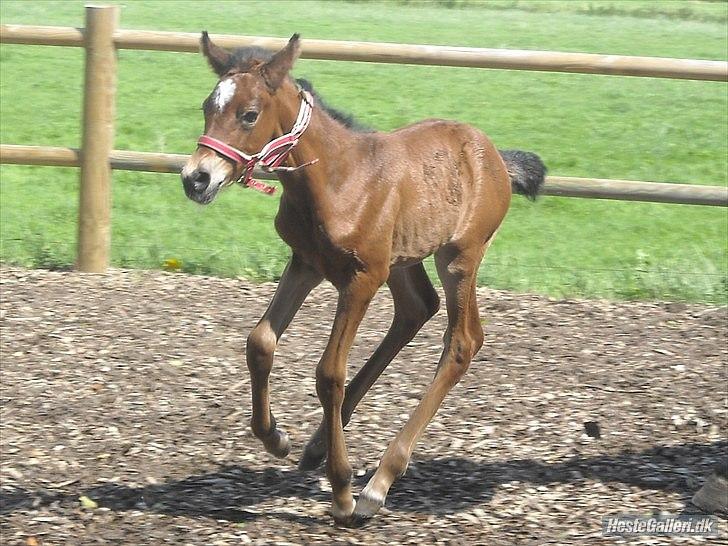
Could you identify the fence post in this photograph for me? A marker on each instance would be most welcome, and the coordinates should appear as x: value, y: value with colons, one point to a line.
x: 94, y: 211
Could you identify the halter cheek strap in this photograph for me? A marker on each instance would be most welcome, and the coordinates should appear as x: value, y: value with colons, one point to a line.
x: 272, y: 154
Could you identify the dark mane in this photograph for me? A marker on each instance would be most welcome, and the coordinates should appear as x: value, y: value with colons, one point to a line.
x: 347, y: 120
x: 245, y: 58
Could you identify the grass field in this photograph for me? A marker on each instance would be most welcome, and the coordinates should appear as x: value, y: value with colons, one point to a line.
x: 581, y: 125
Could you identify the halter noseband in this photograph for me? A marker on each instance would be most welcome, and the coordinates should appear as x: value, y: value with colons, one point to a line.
x: 272, y: 154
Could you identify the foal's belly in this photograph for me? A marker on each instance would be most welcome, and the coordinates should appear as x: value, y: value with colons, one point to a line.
x: 420, y: 232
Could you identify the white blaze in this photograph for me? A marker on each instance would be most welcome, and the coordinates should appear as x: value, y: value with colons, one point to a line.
x: 224, y: 92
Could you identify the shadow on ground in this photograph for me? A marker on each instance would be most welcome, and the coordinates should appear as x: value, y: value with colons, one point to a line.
x: 436, y: 486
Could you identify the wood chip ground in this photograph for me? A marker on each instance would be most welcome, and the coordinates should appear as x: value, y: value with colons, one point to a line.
x: 130, y: 390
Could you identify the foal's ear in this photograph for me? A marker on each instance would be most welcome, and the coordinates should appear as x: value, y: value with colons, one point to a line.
x: 275, y: 70
x: 218, y: 57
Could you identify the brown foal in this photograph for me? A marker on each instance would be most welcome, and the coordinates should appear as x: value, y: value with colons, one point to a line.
x: 367, y: 212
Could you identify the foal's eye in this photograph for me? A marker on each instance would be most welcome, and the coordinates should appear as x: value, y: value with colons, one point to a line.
x: 249, y: 117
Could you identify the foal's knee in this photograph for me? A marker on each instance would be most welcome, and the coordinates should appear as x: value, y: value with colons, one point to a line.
x: 330, y: 385
x: 260, y: 347
x: 417, y: 313
x: 431, y: 303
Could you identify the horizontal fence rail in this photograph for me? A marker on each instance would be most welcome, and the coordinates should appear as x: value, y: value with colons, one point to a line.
x: 595, y: 188
x: 509, y: 59
x: 101, y: 38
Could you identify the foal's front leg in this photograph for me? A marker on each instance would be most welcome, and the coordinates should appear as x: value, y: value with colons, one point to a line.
x: 297, y: 281
x: 415, y: 302
x: 330, y: 378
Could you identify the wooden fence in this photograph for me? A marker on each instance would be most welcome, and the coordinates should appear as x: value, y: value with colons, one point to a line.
x: 101, y: 38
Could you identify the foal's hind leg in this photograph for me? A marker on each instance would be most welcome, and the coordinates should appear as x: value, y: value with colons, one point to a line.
x: 297, y: 281
x: 463, y: 338
x: 415, y: 302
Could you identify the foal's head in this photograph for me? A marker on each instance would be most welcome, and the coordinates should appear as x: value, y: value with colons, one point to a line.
x: 240, y: 111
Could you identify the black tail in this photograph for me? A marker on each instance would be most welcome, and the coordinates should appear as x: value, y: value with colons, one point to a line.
x: 526, y: 170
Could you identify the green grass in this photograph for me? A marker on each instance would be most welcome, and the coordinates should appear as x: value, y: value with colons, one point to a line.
x: 595, y: 126
x: 686, y: 10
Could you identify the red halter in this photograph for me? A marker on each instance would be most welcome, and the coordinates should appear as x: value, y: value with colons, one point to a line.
x: 272, y: 154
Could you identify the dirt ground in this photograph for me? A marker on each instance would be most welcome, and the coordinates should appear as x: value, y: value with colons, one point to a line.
x: 129, y: 390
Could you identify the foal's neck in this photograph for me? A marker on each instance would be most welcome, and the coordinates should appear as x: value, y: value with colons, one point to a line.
x: 325, y: 139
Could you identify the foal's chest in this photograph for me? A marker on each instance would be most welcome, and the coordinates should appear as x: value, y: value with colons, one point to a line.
x: 313, y: 243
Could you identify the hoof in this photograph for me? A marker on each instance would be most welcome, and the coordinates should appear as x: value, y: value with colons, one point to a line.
x: 354, y: 521
x: 342, y: 517
x: 277, y: 444
x: 313, y: 456
x: 367, y: 506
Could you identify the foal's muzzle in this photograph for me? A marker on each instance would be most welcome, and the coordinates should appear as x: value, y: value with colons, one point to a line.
x: 204, y: 175
x: 196, y: 184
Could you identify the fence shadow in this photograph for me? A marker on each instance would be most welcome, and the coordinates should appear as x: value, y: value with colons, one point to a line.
x: 435, y: 486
